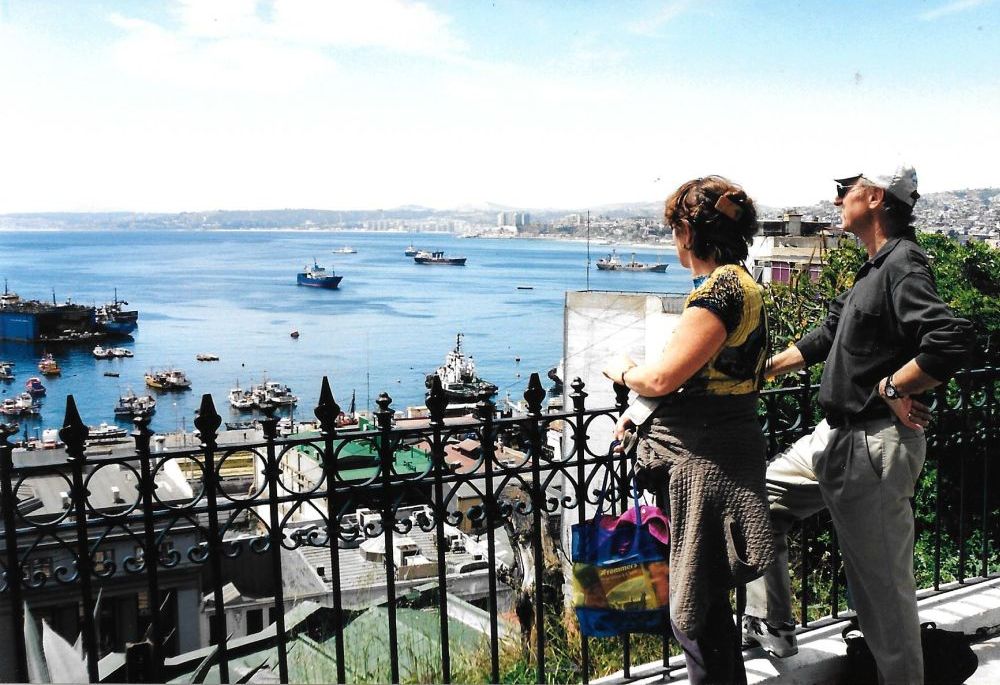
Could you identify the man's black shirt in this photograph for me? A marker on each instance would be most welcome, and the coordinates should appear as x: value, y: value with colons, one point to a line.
x: 891, y: 315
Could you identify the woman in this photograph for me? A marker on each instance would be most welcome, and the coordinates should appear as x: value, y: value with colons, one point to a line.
x: 702, y: 439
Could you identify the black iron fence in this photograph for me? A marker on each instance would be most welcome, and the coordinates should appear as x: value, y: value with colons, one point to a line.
x: 95, y: 522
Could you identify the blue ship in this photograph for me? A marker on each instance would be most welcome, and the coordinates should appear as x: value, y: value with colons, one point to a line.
x: 316, y: 276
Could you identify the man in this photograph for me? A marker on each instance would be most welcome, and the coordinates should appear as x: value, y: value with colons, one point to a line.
x: 886, y: 339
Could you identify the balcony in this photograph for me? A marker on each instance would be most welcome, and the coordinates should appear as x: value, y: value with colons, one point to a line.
x: 383, y: 552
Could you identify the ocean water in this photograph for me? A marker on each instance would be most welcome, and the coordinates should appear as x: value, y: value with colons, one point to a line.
x: 233, y: 293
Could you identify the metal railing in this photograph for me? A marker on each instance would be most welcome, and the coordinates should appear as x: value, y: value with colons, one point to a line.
x: 218, y: 526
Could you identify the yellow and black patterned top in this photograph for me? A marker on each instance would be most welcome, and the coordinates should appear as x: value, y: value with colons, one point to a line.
x: 737, y: 368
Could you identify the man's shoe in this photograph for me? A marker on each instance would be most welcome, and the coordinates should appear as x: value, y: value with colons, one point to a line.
x: 777, y: 640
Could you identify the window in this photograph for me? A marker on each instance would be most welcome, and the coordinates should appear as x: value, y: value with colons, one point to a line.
x: 255, y: 621
x: 780, y: 272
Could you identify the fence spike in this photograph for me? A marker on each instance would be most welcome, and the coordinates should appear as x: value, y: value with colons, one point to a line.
x: 74, y: 431
x: 437, y: 400
x: 534, y: 394
x: 208, y: 420
x: 327, y: 410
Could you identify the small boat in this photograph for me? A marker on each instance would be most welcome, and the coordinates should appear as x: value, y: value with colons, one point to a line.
x: 121, y: 352
x: 410, y: 251
x: 106, y: 432
x: 458, y: 377
x: 316, y: 276
x: 525, y: 287
x: 345, y: 250
x: 241, y: 399
x: 48, y: 365
x: 132, y: 405
x: 33, y: 386
x: 19, y: 406
x: 112, y: 374
x: 171, y: 379
x: 203, y: 357
x: 6, y: 371
x: 272, y: 392
x: 613, y: 263
x: 294, y: 334
x: 425, y: 257
x: 102, y: 353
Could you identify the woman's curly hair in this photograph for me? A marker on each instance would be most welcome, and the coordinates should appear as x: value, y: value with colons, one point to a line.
x: 720, y: 215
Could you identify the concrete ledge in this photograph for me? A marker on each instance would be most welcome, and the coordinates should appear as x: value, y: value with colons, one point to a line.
x: 821, y: 651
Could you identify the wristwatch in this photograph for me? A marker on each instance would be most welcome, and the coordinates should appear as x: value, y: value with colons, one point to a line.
x: 890, y: 392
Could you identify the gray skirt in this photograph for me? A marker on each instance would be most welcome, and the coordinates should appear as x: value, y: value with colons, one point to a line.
x: 709, y: 454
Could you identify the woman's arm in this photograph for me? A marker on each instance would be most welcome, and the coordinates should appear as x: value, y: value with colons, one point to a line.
x: 698, y: 337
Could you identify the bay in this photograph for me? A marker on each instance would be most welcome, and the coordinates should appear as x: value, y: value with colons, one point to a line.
x: 233, y: 293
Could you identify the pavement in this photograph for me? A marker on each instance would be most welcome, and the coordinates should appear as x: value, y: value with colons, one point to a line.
x: 988, y: 672
x: 967, y: 609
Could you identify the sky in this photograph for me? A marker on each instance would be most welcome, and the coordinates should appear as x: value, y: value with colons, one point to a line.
x: 197, y: 105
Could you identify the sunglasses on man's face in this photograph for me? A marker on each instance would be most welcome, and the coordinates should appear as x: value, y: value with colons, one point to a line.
x: 843, y: 190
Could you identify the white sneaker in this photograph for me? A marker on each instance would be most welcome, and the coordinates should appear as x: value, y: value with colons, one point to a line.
x: 777, y: 640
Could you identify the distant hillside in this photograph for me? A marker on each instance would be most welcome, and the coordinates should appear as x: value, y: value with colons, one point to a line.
x: 968, y: 201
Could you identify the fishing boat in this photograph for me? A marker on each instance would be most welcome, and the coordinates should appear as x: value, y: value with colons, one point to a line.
x: 316, y: 276
x: 6, y: 371
x: 425, y: 257
x: 410, y: 251
x: 274, y: 393
x: 204, y: 357
x: 112, y: 374
x: 170, y: 379
x: 100, y: 352
x: 345, y: 250
x: 121, y: 352
x: 114, y: 319
x: 48, y: 365
x: 33, y: 386
x: 132, y: 405
x: 241, y: 399
x: 458, y: 377
x: 23, y: 404
x: 613, y: 263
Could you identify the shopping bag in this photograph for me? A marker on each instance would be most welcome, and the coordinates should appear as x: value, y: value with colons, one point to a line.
x: 621, y: 571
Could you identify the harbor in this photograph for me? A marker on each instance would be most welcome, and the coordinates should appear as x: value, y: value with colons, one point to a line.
x: 390, y: 323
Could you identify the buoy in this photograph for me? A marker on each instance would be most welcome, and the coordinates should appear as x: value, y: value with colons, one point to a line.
x: 295, y: 334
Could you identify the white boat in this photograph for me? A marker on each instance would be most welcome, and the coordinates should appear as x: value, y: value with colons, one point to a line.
x: 345, y: 250
x: 272, y: 392
x: 205, y: 357
x: 106, y: 432
x: 102, y: 353
x: 19, y: 406
x: 120, y: 352
x: 131, y: 404
x: 241, y: 399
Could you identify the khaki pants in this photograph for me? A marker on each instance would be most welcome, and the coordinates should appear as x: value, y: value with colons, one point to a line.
x: 865, y: 475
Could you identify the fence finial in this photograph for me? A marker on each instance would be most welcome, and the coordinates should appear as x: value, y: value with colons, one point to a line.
x: 208, y: 420
x: 327, y: 410
x: 436, y: 400
x: 534, y: 394
x: 74, y: 431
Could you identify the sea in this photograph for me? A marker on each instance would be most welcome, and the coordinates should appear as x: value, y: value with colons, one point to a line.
x: 233, y: 293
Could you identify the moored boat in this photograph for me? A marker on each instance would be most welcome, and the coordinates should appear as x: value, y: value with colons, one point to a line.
x: 48, y: 365
x: 613, y: 263
x: 410, y: 251
x: 204, y: 357
x: 458, y: 377
x: 241, y: 399
x: 102, y: 352
x: 131, y: 405
x: 23, y: 404
x: 106, y: 432
x: 120, y: 352
x: 316, y: 276
x: 170, y: 379
x: 33, y: 386
x: 6, y: 371
x: 346, y: 249
x: 425, y: 257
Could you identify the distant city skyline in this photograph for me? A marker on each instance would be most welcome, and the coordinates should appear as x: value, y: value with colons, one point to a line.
x: 184, y: 105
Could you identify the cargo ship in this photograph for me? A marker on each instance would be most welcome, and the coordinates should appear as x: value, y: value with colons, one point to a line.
x: 425, y: 257
x: 37, y: 321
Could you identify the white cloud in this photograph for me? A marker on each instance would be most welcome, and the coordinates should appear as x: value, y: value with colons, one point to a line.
x: 650, y: 25
x: 951, y: 8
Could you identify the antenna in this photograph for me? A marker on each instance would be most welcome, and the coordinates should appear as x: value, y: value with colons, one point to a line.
x: 588, y: 249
